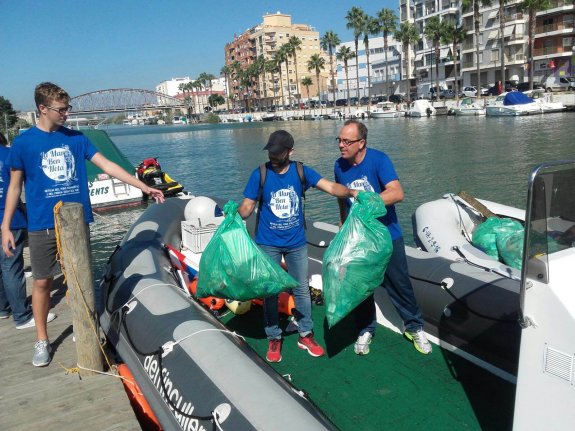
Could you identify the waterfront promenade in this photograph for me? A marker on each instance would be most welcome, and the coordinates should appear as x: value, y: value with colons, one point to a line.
x: 50, y: 398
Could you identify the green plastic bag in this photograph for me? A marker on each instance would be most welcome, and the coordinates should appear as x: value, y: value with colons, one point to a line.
x: 354, y: 264
x: 234, y: 267
x: 510, y: 248
x: 485, y: 235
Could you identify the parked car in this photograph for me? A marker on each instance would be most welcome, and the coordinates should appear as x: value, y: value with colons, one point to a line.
x: 559, y: 83
x: 447, y: 94
x: 524, y: 86
x: 397, y: 98
x: 364, y: 101
x: 353, y: 101
x: 341, y: 102
x: 469, y: 92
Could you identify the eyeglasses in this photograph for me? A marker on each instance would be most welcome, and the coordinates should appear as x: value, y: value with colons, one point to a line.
x: 61, y: 111
x: 346, y: 142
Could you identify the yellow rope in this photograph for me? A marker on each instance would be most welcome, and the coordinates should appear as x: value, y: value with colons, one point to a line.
x: 61, y: 251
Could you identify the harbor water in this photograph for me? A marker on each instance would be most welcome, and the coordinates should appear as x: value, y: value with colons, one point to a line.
x: 491, y: 158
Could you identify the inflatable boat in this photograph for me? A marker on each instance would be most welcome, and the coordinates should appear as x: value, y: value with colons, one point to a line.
x: 194, y: 372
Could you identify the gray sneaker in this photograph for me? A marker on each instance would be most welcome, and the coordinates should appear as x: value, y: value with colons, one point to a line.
x: 419, y: 341
x: 361, y: 346
x: 42, y: 352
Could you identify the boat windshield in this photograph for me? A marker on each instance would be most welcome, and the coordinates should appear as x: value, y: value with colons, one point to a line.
x: 551, y: 218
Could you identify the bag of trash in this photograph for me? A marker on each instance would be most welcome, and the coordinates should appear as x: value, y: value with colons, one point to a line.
x: 510, y: 248
x: 354, y: 264
x: 485, y: 235
x: 232, y: 266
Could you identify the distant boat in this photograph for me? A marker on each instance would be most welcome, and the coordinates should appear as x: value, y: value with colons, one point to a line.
x: 512, y: 104
x: 107, y: 192
x: 545, y: 101
x: 468, y: 106
x: 421, y: 108
x: 386, y: 110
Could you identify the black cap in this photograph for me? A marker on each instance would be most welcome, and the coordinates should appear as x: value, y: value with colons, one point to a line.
x: 279, y: 141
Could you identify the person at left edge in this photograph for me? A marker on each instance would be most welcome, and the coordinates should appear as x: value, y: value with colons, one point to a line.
x: 50, y: 160
x: 281, y: 233
x: 13, y: 296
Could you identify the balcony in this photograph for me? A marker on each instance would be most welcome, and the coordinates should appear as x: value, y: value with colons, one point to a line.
x: 551, y: 50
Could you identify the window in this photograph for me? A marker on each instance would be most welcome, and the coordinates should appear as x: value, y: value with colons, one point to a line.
x: 567, y: 42
x: 495, y: 55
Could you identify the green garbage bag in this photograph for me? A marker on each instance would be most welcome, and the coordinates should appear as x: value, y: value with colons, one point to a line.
x: 510, y: 247
x: 485, y: 235
x: 234, y: 267
x: 354, y: 264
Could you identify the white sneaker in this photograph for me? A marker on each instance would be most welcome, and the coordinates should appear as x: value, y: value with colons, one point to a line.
x: 32, y: 323
x: 361, y: 346
x: 42, y: 352
x: 419, y: 341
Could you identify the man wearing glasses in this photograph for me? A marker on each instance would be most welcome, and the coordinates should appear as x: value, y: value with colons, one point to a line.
x: 49, y: 159
x: 363, y: 168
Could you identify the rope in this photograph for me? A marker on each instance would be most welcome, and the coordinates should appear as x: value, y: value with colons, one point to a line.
x: 61, y: 250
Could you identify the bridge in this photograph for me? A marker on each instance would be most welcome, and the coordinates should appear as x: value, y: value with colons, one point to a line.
x: 123, y: 100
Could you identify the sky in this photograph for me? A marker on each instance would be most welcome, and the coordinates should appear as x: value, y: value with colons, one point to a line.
x: 87, y: 45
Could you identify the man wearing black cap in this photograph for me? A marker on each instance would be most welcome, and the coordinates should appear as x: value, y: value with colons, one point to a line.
x: 280, y: 233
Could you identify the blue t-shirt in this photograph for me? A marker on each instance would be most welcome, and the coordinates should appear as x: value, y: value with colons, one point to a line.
x: 19, y: 218
x: 372, y: 174
x: 54, y: 170
x: 281, y: 222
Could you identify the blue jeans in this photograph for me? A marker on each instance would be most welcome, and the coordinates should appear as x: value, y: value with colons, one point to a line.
x: 400, y: 291
x: 296, y: 261
x: 13, y: 295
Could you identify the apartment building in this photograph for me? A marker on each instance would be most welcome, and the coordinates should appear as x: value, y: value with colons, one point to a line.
x: 263, y: 41
x: 384, y: 78
x: 554, y: 49
x: 500, y: 37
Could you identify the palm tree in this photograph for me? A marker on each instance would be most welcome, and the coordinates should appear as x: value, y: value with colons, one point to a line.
x: 316, y: 62
x: 387, y: 20
x: 236, y: 69
x: 355, y: 18
x: 532, y: 7
x: 226, y: 71
x: 408, y: 35
x: 279, y: 57
x: 344, y: 54
x: 306, y: 82
x: 328, y: 43
x: 501, y: 38
x: 434, y: 30
x: 294, y: 45
x: 272, y: 67
x: 370, y: 27
x: 455, y: 36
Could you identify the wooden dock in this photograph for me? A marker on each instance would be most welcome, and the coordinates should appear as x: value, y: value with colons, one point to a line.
x: 50, y: 398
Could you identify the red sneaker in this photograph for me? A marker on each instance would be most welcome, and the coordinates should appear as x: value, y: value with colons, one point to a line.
x: 308, y: 343
x: 274, y: 350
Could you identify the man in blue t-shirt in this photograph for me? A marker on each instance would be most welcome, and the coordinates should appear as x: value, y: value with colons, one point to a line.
x: 363, y: 168
x: 13, y: 296
x: 50, y: 160
x: 280, y: 233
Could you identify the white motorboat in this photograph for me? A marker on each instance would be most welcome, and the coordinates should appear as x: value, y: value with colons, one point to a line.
x: 468, y: 106
x: 512, y: 104
x: 545, y: 101
x: 386, y: 110
x: 421, y: 108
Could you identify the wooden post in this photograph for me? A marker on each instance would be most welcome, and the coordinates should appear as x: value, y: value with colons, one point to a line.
x: 482, y: 209
x: 74, y: 235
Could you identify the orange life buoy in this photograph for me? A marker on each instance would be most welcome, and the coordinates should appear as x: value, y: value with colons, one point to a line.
x: 137, y: 399
x: 211, y: 302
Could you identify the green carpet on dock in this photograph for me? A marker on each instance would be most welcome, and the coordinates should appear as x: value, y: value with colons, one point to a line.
x: 394, y: 387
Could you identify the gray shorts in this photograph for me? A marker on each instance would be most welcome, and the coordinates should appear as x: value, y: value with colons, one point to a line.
x: 43, y: 251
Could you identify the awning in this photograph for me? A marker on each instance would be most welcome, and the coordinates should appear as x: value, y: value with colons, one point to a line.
x: 443, y: 52
x: 508, y: 31
x: 419, y: 57
x: 492, y: 14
